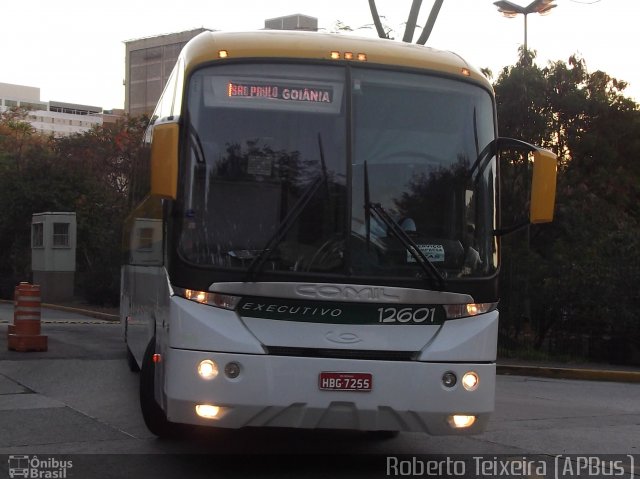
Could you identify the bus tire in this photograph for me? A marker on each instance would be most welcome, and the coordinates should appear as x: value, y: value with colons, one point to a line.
x: 154, y: 417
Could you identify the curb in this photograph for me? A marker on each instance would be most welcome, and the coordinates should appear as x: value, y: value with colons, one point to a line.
x: 85, y: 312
x: 69, y: 309
x: 570, y: 373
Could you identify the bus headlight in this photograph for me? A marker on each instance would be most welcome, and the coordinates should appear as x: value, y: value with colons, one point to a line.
x: 224, y: 301
x: 232, y: 370
x: 457, y: 311
x: 207, y: 369
x: 449, y: 379
x: 207, y: 411
x: 460, y: 421
x: 470, y: 381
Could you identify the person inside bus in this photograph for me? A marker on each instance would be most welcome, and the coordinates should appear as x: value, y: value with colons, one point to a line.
x: 472, y: 259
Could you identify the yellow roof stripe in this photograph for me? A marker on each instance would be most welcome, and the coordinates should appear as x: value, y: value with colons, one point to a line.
x: 318, y: 46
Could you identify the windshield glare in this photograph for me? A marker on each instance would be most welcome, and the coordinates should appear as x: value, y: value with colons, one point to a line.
x: 269, y: 178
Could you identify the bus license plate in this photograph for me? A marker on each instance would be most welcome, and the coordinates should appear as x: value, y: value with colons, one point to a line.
x: 332, y: 381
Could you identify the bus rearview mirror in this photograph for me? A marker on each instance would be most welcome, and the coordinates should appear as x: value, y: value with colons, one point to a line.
x: 164, y: 160
x: 543, y: 186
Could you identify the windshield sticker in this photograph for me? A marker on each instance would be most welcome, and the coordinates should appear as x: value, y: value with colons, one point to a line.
x: 433, y: 252
x: 259, y: 165
x: 280, y: 92
x: 340, y: 313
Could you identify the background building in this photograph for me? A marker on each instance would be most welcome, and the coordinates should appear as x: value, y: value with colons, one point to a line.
x: 149, y: 61
x: 113, y: 116
x: 148, y: 64
x: 50, y: 118
x: 292, y: 22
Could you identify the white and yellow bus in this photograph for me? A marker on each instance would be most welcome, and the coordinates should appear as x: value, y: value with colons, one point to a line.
x: 319, y: 247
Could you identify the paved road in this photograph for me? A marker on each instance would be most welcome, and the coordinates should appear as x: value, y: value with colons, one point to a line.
x: 79, y: 397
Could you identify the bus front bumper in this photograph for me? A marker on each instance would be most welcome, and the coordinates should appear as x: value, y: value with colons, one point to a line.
x: 283, y: 391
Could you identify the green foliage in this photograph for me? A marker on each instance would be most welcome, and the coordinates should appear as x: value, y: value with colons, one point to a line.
x: 88, y: 173
x: 574, y: 281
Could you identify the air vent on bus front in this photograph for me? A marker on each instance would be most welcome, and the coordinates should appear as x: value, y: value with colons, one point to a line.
x: 370, y: 355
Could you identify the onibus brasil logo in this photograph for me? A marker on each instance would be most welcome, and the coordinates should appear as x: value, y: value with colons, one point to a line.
x: 32, y: 467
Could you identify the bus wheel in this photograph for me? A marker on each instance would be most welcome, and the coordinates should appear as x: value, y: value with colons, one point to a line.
x: 154, y: 416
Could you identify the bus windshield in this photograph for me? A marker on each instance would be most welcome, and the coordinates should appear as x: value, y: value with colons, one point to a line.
x: 284, y: 162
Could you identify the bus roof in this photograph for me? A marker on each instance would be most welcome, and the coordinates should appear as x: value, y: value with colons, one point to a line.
x: 319, y: 46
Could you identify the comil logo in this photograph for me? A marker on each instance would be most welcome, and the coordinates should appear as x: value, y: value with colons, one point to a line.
x: 348, y: 293
x: 38, y: 468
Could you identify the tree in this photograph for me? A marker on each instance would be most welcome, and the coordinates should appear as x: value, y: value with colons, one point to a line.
x: 17, y: 136
x: 114, y: 153
x: 575, y: 273
x: 96, y: 174
x: 111, y: 157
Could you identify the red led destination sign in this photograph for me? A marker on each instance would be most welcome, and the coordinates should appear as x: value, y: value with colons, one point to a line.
x: 280, y: 92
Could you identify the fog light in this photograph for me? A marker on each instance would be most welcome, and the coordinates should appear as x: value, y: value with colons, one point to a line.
x: 232, y: 370
x: 470, y: 381
x: 460, y: 421
x: 207, y: 369
x: 207, y: 411
x: 449, y: 379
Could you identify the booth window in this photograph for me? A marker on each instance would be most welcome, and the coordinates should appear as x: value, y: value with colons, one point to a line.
x: 145, y: 239
x: 37, y: 235
x: 61, y: 235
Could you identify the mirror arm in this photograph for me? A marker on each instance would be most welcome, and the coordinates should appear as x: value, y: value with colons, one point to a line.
x: 504, y: 142
x: 510, y: 229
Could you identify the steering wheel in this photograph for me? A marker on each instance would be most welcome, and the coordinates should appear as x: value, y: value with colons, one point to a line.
x: 331, y: 249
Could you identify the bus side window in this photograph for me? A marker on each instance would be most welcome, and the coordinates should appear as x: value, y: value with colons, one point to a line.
x: 144, y: 235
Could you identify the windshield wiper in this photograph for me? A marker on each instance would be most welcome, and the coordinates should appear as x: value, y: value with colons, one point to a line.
x: 287, y: 223
x: 367, y: 206
x: 410, y: 245
x: 195, y: 141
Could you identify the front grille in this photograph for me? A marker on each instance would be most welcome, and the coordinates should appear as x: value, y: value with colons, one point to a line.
x: 367, y: 355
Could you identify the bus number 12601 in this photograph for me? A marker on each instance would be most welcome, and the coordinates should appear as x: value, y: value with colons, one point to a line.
x: 407, y: 315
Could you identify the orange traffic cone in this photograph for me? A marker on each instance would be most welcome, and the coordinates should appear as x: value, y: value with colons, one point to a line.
x: 25, y: 334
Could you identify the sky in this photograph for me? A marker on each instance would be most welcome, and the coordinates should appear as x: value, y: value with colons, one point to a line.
x: 73, y: 50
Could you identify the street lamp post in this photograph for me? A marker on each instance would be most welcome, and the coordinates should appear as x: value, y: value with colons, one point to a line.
x: 511, y: 10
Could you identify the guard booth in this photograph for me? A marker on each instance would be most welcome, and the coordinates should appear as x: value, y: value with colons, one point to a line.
x: 53, y: 254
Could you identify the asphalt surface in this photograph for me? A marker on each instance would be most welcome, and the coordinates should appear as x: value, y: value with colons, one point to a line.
x: 79, y: 399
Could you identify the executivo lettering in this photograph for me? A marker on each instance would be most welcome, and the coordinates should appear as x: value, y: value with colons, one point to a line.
x: 337, y: 312
x: 304, y: 311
